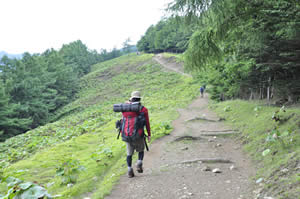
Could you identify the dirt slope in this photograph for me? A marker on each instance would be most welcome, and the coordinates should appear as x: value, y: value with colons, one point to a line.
x: 179, y: 166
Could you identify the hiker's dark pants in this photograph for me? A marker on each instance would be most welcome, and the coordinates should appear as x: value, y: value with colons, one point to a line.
x: 129, y: 158
x: 138, y: 146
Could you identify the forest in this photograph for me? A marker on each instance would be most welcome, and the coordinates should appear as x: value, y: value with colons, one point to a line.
x: 243, y: 49
x: 34, y: 88
x: 168, y: 35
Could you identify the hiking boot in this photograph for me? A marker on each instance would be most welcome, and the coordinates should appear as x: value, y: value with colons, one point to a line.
x: 139, y: 168
x: 130, y: 173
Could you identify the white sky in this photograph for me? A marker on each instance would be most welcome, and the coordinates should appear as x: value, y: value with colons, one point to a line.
x: 36, y: 25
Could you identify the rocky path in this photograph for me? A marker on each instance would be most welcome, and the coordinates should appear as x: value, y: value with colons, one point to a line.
x: 199, y: 159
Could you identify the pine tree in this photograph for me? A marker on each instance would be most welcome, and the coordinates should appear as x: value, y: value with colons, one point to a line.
x: 66, y: 83
x: 10, y: 125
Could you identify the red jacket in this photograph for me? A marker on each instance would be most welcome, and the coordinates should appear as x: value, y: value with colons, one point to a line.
x: 134, y: 114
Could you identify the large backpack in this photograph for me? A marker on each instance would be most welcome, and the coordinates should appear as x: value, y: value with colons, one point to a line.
x: 133, y: 126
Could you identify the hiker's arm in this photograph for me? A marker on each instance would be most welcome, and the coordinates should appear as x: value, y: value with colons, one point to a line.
x: 147, y: 123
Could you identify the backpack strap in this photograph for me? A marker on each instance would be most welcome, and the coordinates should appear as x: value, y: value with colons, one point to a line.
x: 141, y: 125
x: 141, y: 108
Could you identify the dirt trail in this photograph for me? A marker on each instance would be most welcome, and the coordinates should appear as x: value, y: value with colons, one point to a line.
x: 170, y: 64
x: 175, y: 167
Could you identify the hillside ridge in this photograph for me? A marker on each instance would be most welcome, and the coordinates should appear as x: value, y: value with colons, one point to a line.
x: 86, y: 133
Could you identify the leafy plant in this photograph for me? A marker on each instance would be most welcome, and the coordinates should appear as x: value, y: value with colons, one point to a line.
x: 266, y: 152
x: 163, y: 128
x: 69, y: 170
x: 1, y: 174
x: 256, y: 110
x: 277, y: 115
x: 102, y: 155
x: 276, y: 134
x: 107, y: 152
x: 227, y: 109
x: 17, y: 189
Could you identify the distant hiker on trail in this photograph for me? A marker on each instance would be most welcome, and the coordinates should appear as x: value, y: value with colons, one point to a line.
x: 202, y: 88
x: 132, y: 129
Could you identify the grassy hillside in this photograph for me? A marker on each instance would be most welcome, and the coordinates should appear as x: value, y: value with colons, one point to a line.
x: 85, y: 134
x: 274, y: 145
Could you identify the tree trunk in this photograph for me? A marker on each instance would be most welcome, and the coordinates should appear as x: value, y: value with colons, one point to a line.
x: 268, y: 89
x: 272, y: 92
x: 263, y: 91
x: 260, y: 92
x: 251, y: 95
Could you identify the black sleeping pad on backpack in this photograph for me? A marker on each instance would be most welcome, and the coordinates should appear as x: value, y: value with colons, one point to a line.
x: 133, y: 107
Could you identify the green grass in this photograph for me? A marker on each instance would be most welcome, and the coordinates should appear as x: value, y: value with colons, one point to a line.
x: 86, y: 127
x: 178, y: 57
x: 255, y: 122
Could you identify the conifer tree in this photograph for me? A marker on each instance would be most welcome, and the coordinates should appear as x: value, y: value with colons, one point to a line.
x: 10, y: 125
x: 248, y: 48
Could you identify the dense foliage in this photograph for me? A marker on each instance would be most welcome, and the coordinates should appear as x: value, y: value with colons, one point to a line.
x: 33, y: 88
x: 247, y: 49
x: 168, y: 35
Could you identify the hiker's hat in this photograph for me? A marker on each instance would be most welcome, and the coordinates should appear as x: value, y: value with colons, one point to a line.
x: 135, y: 94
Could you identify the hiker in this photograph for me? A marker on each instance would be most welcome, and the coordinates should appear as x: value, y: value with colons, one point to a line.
x: 202, y: 88
x: 130, y: 124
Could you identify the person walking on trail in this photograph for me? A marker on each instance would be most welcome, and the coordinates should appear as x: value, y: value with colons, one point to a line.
x: 132, y: 130
x: 202, y: 88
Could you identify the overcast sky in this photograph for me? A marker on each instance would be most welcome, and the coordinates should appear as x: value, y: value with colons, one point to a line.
x: 36, y: 25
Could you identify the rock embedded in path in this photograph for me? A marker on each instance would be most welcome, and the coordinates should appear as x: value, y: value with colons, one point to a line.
x: 216, y: 170
x: 259, y: 180
x: 257, y: 192
x: 285, y: 170
x: 184, y: 197
x: 207, y: 160
x: 232, y: 167
x: 206, y: 168
x: 184, y: 148
x: 218, y: 145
